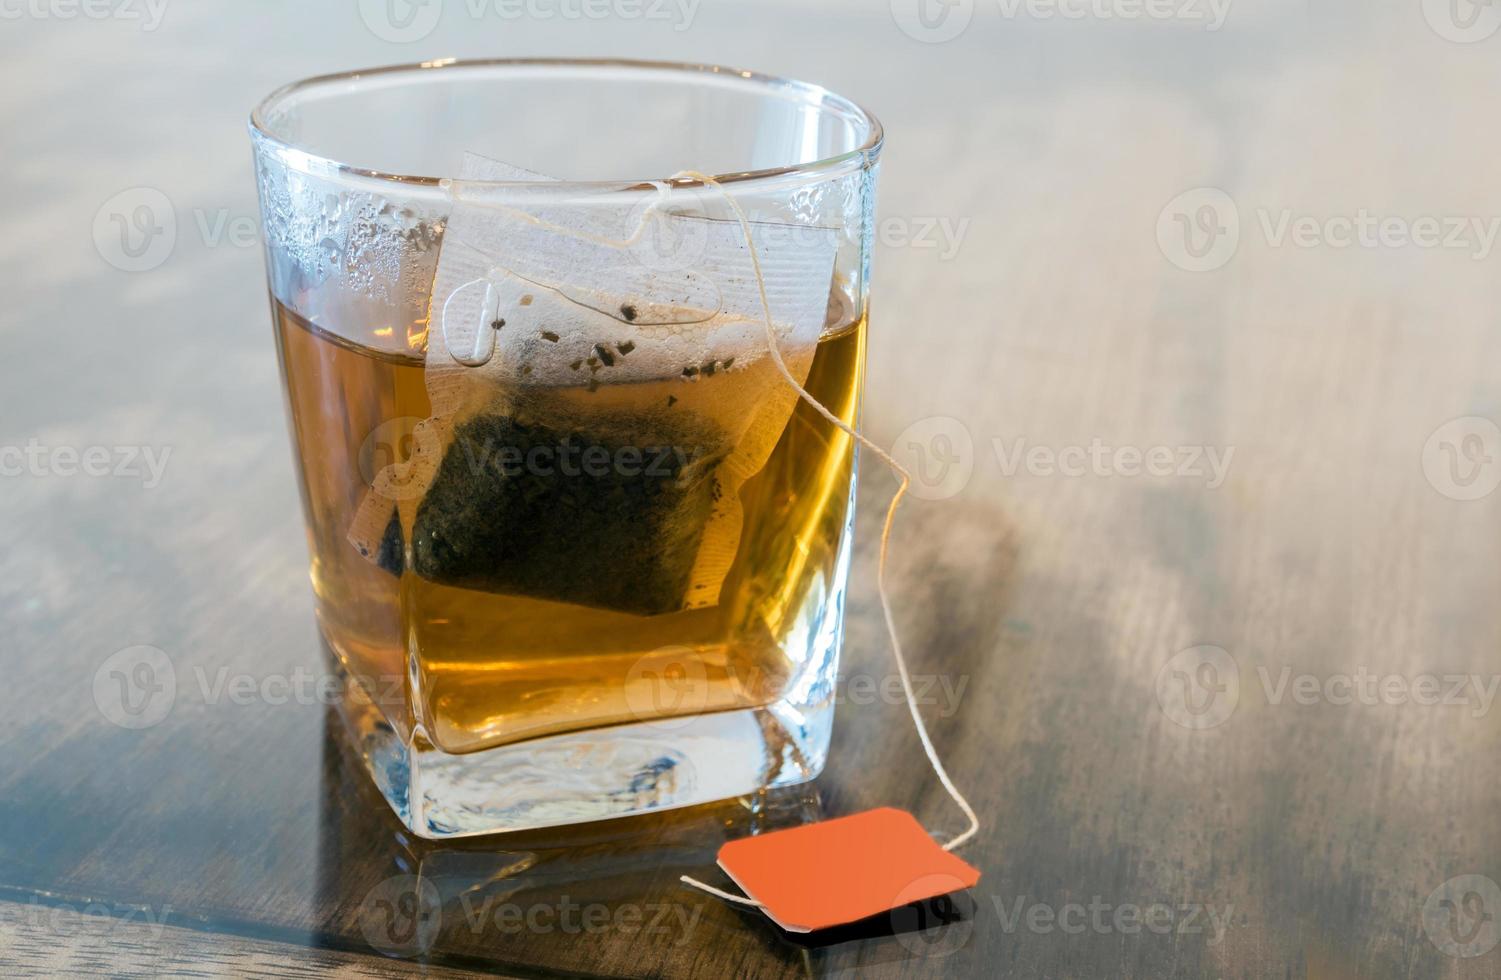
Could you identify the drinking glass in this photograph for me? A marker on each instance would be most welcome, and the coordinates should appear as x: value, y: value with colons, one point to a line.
x: 530, y: 626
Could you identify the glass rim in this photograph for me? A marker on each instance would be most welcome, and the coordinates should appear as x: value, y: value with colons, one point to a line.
x: 866, y: 153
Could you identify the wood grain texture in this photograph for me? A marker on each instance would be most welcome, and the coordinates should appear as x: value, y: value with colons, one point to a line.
x: 58, y: 941
x: 1043, y: 611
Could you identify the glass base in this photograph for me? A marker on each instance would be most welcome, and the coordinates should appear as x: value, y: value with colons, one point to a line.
x: 619, y: 770
x: 582, y: 776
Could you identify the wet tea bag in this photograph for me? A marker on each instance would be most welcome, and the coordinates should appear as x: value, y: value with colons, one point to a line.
x: 600, y: 390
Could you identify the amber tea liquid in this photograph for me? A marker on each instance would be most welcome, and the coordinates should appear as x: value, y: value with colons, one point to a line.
x: 489, y: 669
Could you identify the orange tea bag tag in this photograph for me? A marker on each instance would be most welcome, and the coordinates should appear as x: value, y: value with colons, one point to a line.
x: 843, y: 870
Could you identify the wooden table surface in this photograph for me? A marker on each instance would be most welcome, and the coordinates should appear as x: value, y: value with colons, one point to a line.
x: 1202, y: 581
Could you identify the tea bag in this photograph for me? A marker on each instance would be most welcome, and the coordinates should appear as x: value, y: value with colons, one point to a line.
x: 598, y: 402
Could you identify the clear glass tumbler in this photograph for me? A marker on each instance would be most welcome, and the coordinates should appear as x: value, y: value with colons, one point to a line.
x: 579, y: 547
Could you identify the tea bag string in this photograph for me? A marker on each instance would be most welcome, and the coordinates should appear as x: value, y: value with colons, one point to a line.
x: 901, y: 490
